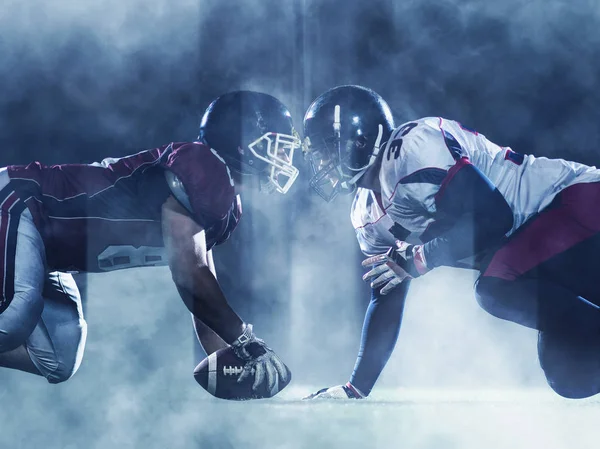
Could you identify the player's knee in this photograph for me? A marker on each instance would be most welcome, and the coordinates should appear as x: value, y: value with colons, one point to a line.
x: 571, y: 387
x: 487, y: 296
x: 62, y: 373
x: 57, y: 351
x: 56, y: 346
x: 70, y: 354
x: 12, y: 340
x: 19, y: 319
x: 571, y: 366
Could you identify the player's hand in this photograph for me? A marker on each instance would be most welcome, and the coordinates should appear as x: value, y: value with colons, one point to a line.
x: 347, y: 391
x: 261, y: 362
x: 402, y: 261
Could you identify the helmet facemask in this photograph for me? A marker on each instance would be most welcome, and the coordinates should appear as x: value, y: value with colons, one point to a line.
x: 331, y: 163
x: 329, y: 179
x: 277, y: 150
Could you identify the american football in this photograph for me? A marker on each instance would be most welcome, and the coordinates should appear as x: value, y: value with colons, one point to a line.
x: 219, y: 372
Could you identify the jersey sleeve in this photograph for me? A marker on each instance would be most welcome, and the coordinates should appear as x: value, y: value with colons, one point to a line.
x: 415, y: 165
x: 209, y: 188
x: 370, y: 244
x: 371, y: 224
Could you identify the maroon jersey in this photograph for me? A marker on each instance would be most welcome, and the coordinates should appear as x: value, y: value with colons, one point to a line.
x: 107, y: 216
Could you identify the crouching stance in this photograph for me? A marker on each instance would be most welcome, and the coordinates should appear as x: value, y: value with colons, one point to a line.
x: 432, y: 193
x: 42, y: 329
x: 165, y: 206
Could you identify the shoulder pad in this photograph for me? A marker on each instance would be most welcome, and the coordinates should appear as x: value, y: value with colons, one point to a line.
x: 178, y: 190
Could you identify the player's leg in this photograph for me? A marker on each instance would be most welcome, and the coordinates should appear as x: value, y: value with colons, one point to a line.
x: 571, y: 363
x: 570, y: 354
x: 569, y: 342
x: 545, y: 274
x: 18, y: 359
x: 57, y: 343
x: 544, y: 278
x: 537, y: 303
x: 54, y: 349
x: 22, y: 266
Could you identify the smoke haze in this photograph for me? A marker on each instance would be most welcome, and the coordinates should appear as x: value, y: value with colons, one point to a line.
x: 85, y: 80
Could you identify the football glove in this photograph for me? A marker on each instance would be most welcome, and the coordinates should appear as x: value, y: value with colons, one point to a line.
x: 261, y: 361
x: 402, y: 261
x: 347, y: 391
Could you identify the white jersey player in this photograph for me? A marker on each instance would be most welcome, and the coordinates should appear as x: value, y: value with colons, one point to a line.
x: 434, y: 193
x: 421, y: 154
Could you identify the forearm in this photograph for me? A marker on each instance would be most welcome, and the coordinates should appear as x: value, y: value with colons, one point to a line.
x: 469, y: 236
x: 192, y: 270
x: 379, y: 335
x: 209, y: 340
x: 476, y: 214
x: 209, y: 305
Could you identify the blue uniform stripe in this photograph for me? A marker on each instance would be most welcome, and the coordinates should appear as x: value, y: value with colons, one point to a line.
x: 430, y: 175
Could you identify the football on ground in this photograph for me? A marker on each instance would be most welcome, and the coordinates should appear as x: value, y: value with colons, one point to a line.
x: 219, y: 372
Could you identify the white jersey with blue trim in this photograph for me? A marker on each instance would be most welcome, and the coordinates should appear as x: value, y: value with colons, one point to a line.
x: 416, y: 161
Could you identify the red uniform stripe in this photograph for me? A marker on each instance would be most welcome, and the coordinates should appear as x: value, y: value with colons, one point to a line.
x: 461, y: 163
x: 5, y: 207
x: 574, y: 219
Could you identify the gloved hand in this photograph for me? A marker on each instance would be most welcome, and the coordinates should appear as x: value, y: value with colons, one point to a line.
x: 261, y: 361
x: 402, y: 261
x: 347, y: 391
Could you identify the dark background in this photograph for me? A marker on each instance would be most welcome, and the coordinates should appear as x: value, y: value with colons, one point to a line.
x: 87, y: 80
x: 525, y: 74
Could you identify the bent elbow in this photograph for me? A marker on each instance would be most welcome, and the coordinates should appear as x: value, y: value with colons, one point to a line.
x: 190, y: 277
x: 505, y: 219
x: 499, y: 216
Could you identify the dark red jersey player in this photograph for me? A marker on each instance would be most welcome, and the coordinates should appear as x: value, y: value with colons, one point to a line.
x: 168, y: 205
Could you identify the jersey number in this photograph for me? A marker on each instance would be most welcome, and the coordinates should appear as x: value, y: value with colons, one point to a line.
x: 396, y: 144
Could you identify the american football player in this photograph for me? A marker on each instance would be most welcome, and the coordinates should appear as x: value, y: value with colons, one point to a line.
x: 164, y: 206
x: 432, y: 192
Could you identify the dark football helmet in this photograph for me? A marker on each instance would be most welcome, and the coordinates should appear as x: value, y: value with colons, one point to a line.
x: 254, y: 134
x: 344, y: 128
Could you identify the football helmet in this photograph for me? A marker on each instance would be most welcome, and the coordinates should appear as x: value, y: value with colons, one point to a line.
x: 344, y: 128
x: 254, y: 134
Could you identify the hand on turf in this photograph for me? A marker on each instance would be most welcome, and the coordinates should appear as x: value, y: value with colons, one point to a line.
x: 261, y: 361
x: 347, y: 391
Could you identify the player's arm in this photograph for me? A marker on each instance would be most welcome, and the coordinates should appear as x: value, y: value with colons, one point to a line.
x: 472, y: 212
x: 479, y: 215
x: 477, y: 218
x: 380, y: 331
x: 185, y: 242
x: 193, y: 274
x: 210, y: 341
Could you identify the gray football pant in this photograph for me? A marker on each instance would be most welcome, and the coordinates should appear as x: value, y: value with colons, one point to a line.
x: 44, y: 312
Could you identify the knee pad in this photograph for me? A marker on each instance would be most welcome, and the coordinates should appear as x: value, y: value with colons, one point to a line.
x: 20, y: 318
x: 57, y: 344
x: 57, y: 350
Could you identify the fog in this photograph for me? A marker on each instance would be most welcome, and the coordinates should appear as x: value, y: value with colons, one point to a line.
x: 85, y: 80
